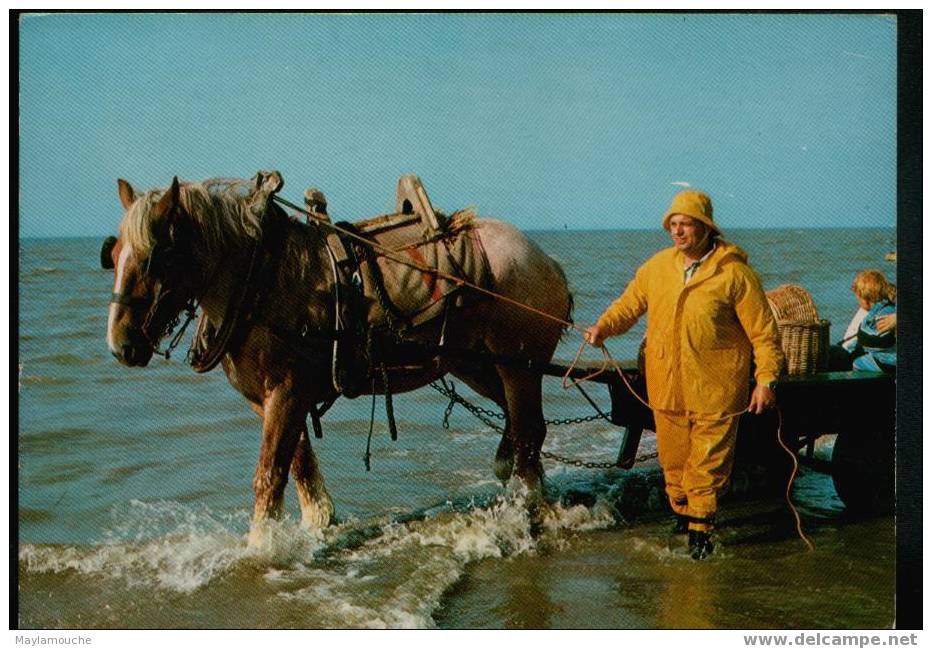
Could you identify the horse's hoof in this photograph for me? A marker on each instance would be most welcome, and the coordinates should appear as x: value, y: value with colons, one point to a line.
x: 260, y: 536
x: 503, y: 469
x: 316, y: 516
x: 538, y: 512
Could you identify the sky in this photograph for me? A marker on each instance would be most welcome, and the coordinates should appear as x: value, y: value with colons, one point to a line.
x: 548, y: 121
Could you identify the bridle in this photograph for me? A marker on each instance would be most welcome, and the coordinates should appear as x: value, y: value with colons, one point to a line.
x: 165, y: 263
x: 168, y: 264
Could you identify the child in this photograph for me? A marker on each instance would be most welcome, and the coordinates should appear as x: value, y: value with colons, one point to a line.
x: 870, y: 341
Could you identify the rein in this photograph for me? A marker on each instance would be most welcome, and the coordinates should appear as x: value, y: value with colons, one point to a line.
x: 390, y: 254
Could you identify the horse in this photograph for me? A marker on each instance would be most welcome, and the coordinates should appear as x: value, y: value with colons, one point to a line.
x: 192, y: 245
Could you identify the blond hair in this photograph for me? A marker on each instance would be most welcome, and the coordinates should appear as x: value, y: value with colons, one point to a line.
x: 872, y: 286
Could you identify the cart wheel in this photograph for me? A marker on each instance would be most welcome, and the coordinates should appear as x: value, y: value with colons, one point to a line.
x: 863, y: 471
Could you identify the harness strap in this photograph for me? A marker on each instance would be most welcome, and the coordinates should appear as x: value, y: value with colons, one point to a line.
x: 315, y: 421
x: 338, y: 325
x: 389, y: 406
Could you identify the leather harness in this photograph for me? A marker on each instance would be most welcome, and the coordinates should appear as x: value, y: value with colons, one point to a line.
x: 358, y: 349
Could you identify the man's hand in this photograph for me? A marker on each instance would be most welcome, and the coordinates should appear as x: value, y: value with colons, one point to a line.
x: 762, y: 399
x: 594, y: 336
x: 886, y: 322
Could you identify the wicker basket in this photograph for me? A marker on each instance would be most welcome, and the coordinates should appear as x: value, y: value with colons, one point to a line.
x: 803, y: 336
x: 805, y: 346
x: 792, y: 303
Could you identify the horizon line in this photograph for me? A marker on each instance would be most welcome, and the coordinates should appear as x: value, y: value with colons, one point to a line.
x: 563, y: 229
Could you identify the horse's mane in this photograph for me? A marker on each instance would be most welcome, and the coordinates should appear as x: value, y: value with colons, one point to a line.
x: 218, y: 207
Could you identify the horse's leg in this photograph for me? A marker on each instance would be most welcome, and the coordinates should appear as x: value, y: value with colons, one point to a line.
x: 282, y: 423
x: 526, y: 417
x: 486, y: 382
x: 316, y: 504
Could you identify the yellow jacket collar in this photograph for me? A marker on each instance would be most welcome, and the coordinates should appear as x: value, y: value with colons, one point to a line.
x: 723, y: 251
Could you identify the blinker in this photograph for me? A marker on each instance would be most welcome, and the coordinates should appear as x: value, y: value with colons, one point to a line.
x: 157, y: 263
x: 106, y: 253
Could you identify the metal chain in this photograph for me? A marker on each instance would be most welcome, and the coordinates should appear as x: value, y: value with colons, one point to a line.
x: 190, y: 309
x: 478, y: 411
x: 573, y: 420
x: 593, y: 465
x: 392, y: 320
x: 483, y: 415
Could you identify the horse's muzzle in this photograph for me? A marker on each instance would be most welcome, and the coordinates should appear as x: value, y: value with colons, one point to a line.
x: 133, y: 355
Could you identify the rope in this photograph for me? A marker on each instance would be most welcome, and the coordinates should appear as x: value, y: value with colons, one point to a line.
x: 799, y: 523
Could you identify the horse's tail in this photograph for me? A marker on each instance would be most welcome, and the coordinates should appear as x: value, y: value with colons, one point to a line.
x: 570, y: 301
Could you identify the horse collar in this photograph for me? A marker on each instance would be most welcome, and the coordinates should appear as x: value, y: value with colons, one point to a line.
x: 210, y: 345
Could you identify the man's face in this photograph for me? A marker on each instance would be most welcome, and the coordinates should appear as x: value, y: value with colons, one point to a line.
x: 689, y: 235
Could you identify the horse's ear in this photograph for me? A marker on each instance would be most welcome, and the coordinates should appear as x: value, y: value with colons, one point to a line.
x: 169, y: 199
x: 127, y: 195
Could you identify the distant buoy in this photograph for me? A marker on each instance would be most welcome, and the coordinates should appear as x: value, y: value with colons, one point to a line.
x: 890, y: 256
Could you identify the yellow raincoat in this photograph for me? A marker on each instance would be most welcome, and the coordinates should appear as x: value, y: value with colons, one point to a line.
x: 701, y: 336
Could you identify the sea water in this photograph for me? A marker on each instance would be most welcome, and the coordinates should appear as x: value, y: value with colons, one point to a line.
x: 135, y: 490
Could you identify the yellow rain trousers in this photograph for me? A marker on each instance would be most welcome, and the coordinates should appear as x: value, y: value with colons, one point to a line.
x: 701, y: 338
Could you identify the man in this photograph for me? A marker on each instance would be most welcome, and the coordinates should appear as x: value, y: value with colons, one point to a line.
x: 707, y: 316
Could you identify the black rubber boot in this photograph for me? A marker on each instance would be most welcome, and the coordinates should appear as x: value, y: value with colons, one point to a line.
x: 700, y: 544
x: 681, y: 526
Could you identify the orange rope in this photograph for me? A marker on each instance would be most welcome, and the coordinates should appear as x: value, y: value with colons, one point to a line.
x: 799, y: 523
x: 588, y: 377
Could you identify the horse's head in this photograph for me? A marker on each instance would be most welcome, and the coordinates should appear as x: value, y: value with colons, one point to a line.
x: 153, y: 274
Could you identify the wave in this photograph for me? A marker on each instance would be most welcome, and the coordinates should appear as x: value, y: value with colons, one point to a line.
x: 386, y: 573
x: 420, y: 557
x: 67, y: 358
x: 37, y: 379
x: 391, y: 571
x: 41, y: 271
x: 198, y: 547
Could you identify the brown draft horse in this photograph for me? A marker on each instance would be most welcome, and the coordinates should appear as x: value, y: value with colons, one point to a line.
x: 195, y: 241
